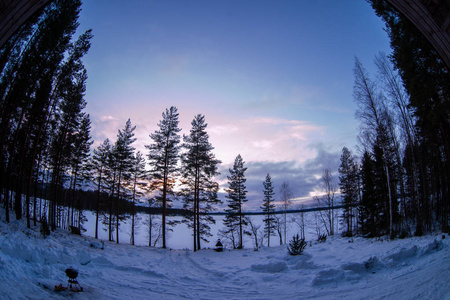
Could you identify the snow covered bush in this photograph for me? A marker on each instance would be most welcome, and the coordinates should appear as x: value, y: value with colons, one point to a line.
x: 296, y: 245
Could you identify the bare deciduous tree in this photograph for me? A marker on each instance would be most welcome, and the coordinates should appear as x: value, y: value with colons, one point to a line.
x: 286, y: 196
x: 329, y: 189
x: 256, y: 233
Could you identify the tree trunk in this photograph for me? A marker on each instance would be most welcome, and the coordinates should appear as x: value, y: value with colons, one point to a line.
x: 117, y: 209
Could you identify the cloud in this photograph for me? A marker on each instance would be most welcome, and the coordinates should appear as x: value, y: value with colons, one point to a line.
x: 303, y: 177
x: 107, y: 118
x: 262, y: 144
x: 224, y: 130
x: 263, y: 138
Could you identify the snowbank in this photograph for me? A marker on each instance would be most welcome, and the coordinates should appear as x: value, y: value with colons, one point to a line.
x: 30, y: 267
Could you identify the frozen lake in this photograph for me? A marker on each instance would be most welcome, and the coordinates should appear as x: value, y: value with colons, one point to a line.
x: 181, y: 236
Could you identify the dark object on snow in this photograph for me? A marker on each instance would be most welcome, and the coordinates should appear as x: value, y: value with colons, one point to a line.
x: 219, y: 246
x: 71, y: 273
x: 73, y: 283
x: 322, y: 238
x: 75, y: 230
x: 45, y: 230
x: 296, y: 245
x: 60, y: 288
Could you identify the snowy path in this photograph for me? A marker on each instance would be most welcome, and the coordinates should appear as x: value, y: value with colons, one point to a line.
x: 415, y: 268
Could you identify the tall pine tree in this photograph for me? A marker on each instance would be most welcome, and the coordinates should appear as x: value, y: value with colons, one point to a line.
x: 268, y: 208
x: 368, y: 207
x: 138, y: 176
x: 99, y: 164
x: 199, y: 167
x: 348, y: 183
x: 236, y: 193
x: 163, y: 158
x: 124, y: 157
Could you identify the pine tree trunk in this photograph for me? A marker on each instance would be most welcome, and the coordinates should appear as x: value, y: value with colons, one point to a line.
x: 97, y: 208
x: 390, y: 204
x: 164, y: 204
x: 195, y: 209
x: 111, y: 199
x: 117, y: 209
x: 240, y: 227
x: 134, y: 210
x: 198, y: 219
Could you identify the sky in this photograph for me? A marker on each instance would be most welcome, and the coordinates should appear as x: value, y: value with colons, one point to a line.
x: 274, y: 79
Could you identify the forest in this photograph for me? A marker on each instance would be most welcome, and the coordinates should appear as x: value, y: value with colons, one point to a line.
x: 397, y: 185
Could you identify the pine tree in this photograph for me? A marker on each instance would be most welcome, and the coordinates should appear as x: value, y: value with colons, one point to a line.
x: 163, y: 159
x: 348, y: 182
x: 99, y: 165
x: 62, y: 146
x: 123, y: 154
x: 199, y: 167
x: 111, y: 181
x: 81, y: 145
x: 385, y: 182
x: 236, y: 193
x: 268, y: 209
x: 138, y: 174
x: 296, y: 245
x: 368, y: 208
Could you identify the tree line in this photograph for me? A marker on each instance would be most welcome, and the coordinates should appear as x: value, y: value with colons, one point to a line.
x: 401, y: 185
x: 44, y: 132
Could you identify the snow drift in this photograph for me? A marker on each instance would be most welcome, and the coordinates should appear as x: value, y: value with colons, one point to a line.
x: 414, y: 268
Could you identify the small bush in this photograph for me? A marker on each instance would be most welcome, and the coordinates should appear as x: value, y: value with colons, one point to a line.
x: 347, y: 234
x: 322, y: 238
x: 296, y: 245
x: 45, y: 230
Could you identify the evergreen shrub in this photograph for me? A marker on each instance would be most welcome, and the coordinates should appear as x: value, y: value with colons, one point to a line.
x: 296, y: 245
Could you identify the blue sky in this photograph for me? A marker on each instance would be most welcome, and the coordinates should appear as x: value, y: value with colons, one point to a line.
x: 274, y: 79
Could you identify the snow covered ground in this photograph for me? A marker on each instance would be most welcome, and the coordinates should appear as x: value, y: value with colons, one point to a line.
x: 414, y: 268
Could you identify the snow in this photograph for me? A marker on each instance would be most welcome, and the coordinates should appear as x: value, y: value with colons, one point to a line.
x: 340, y: 268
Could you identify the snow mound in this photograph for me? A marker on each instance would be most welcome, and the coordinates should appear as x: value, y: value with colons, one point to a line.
x: 271, y: 267
x: 335, y: 276
x: 372, y: 264
x: 102, y: 261
x: 405, y: 255
x: 97, y: 245
x: 304, y: 262
x: 432, y: 247
x: 402, y: 255
x: 83, y: 257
